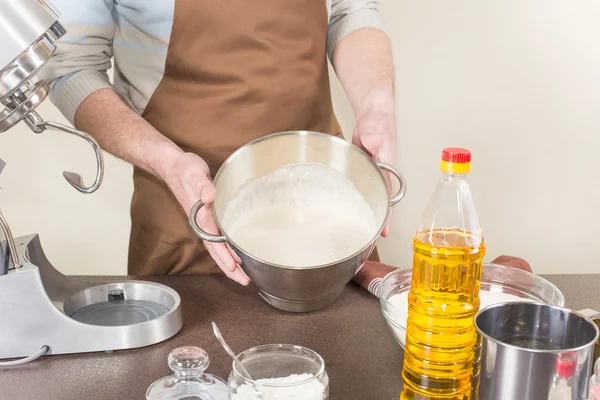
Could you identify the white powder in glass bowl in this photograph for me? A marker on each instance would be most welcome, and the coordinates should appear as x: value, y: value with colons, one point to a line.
x: 310, y: 390
x: 399, y: 313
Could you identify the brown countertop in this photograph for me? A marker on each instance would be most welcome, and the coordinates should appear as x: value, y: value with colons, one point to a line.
x: 363, y: 359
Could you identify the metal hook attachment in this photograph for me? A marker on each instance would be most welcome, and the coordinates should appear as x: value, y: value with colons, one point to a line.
x: 21, y: 105
x: 38, y: 125
x: 10, y: 240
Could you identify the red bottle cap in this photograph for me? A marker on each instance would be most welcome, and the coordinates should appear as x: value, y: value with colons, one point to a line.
x: 566, y: 366
x: 456, y: 155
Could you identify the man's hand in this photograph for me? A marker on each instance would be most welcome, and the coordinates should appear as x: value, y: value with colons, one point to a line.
x: 188, y: 177
x: 375, y: 133
x: 363, y: 62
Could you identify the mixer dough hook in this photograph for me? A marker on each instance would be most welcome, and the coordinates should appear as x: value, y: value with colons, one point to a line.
x: 38, y: 125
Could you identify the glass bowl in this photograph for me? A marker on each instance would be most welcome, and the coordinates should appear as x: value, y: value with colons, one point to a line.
x: 494, y: 278
x: 280, y: 372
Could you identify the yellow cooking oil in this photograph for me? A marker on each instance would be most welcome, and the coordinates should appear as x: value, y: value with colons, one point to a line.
x: 440, y: 357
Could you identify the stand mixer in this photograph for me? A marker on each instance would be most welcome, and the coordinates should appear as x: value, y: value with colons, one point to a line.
x: 42, y: 311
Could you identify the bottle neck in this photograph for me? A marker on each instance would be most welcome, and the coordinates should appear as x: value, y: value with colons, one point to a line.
x: 450, y: 177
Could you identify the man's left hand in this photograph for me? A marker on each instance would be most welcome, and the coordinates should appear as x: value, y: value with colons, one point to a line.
x: 375, y: 133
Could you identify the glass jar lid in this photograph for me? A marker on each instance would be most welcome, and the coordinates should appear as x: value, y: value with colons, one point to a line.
x: 189, y: 381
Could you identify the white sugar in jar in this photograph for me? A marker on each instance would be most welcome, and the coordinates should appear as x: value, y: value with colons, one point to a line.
x: 280, y: 372
x: 293, y: 387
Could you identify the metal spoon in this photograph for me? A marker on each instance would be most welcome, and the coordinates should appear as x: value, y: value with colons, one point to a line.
x: 231, y: 353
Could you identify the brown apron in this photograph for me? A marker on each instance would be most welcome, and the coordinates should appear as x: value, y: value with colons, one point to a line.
x: 236, y: 70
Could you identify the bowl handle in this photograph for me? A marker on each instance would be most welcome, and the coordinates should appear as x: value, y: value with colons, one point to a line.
x: 402, y: 190
x: 209, y: 237
x: 589, y: 313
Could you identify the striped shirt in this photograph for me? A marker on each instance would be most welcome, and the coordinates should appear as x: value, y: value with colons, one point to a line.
x: 135, y: 35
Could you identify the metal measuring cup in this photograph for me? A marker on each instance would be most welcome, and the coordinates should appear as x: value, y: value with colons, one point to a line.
x: 523, y: 345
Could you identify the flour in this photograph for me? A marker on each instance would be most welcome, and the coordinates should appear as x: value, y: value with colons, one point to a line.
x: 300, y: 215
x: 310, y: 390
x: 400, y: 312
x: 400, y: 300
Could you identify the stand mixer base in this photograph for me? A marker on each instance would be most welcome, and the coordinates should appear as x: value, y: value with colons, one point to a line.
x: 41, y: 307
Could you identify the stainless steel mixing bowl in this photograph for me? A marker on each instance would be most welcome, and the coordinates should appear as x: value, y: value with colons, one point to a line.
x: 301, y: 289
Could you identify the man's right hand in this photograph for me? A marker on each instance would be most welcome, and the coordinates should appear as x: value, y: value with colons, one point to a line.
x: 188, y: 177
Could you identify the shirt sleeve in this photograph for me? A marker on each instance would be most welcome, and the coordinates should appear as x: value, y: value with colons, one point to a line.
x: 83, y: 56
x: 350, y: 15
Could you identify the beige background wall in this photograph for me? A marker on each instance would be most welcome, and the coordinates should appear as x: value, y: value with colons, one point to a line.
x: 518, y: 82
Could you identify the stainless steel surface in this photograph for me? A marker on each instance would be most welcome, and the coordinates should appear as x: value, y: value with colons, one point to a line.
x: 402, y: 190
x: 22, y: 23
x: 209, y: 237
x: 21, y: 103
x: 29, y: 29
x: 230, y: 352
x: 521, y: 345
x: 299, y: 306
x: 14, y: 75
x: 37, y: 304
x: 290, y: 288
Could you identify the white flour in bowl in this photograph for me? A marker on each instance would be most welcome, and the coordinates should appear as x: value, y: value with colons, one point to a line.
x: 311, y: 390
x: 400, y: 302
x: 300, y: 215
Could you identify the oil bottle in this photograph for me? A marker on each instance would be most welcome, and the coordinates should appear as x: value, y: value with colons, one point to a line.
x: 440, y: 357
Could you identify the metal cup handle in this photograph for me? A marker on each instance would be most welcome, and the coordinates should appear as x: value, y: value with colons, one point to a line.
x: 402, y: 190
x: 209, y: 237
x: 589, y: 313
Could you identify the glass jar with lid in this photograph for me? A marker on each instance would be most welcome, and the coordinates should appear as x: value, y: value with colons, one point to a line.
x: 189, y: 379
x: 280, y: 372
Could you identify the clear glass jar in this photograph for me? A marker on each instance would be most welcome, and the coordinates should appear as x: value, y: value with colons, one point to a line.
x: 280, y: 372
x: 189, y: 381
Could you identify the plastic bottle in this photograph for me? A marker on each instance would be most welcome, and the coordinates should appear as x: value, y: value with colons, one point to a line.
x: 562, y: 385
x: 441, y: 340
